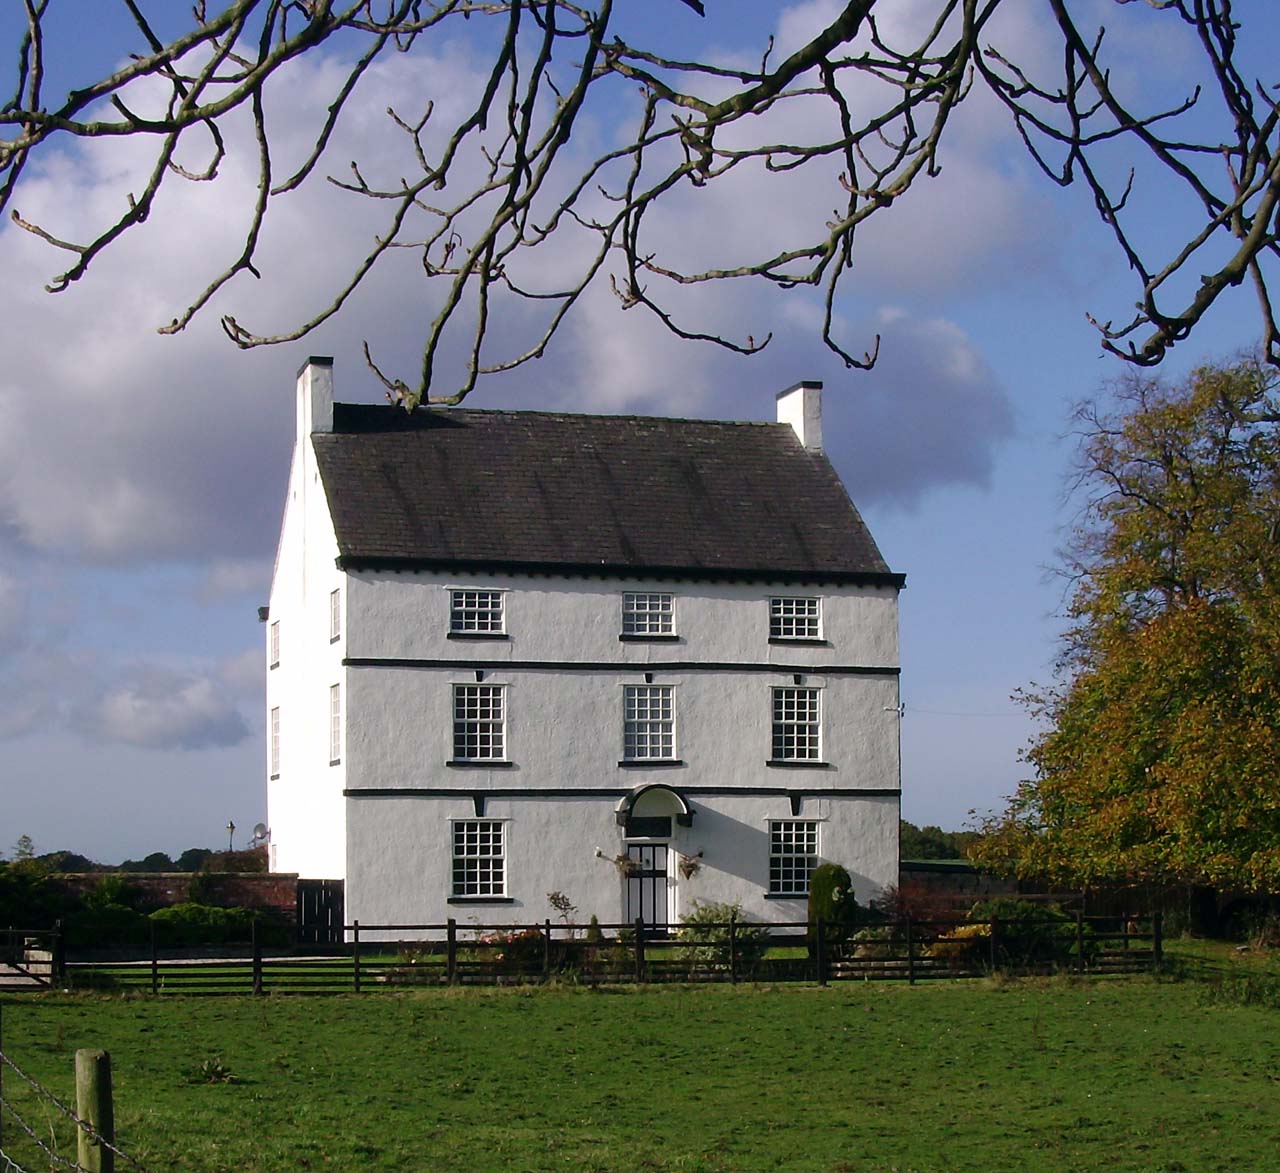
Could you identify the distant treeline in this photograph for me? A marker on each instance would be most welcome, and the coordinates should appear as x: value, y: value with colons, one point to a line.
x: 194, y: 859
x: 933, y: 842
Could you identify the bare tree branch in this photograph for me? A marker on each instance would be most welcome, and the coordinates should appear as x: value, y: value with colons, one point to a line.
x: 498, y: 182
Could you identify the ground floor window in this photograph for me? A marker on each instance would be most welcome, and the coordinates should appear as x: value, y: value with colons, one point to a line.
x: 479, y: 858
x: 793, y: 854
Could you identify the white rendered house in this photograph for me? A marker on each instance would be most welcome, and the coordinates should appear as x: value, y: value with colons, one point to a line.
x: 642, y: 662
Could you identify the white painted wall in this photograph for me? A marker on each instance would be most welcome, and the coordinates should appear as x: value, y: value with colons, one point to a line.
x: 564, y: 729
x: 305, y: 808
x: 400, y: 863
x: 407, y: 615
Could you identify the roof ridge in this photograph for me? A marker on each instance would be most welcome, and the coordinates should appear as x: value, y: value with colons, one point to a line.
x: 436, y: 409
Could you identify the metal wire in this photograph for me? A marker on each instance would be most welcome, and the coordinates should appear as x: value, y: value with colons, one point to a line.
x: 88, y: 1128
x: 35, y: 1139
x: 10, y: 1165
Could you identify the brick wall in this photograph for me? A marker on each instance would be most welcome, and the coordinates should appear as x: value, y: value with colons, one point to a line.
x: 275, y: 893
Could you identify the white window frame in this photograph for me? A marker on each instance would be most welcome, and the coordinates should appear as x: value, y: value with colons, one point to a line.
x: 648, y: 614
x: 335, y: 724
x: 790, y: 722
x: 478, y: 865
x: 335, y: 615
x: 648, y: 722
x: 795, y: 617
x: 273, y: 741
x: 477, y: 611
x: 480, y: 718
x: 794, y: 847
x: 273, y: 644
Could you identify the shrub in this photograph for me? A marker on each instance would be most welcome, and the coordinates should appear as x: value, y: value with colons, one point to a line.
x: 706, y: 927
x: 831, y: 900
x: 103, y: 924
x: 915, y: 900
x: 963, y: 943
x: 201, y: 924
x: 106, y: 916
x: 520, y: 950
x: 1030, y: 933
x: 875, y: 942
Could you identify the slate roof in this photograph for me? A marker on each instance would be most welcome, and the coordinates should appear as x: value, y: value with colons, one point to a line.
x: 588, y: 494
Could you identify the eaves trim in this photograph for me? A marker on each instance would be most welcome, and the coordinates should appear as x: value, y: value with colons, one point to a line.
x: 400, y: 563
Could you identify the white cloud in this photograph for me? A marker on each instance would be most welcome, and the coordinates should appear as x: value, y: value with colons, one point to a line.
x: 156, y: 708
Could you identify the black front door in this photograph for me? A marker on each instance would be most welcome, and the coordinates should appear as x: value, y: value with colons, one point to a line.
x: 647, y: 885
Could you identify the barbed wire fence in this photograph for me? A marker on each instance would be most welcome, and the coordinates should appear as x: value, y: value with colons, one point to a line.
x: 35, y: 1095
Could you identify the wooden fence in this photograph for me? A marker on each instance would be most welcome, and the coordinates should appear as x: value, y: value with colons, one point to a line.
x: 395, y: 957
x: 30, y: 958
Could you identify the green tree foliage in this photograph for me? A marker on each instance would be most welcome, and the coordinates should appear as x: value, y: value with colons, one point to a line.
x: 932, y: 842
x: 157, y: 861
x: 1158, y: 758
x: 192, y: 860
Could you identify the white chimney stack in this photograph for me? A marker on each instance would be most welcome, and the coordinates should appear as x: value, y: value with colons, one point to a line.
x: 801, y: 407
x: 315, y: 396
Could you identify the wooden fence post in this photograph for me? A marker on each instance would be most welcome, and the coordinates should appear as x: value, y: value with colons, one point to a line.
x: 155, y: 961
x: 546, y: 949
x: 355, y: 956
x: 733, y: 948
x: 1079, y: 940
x: 94, y: 1107
x: 257, y: 957
x: 451, y: 952
x: 59, y: 960
x: 995, y: 930
x: 639, y: 949
x: 1157, y: 938
x: 911, y: 957
x: 821, y: 935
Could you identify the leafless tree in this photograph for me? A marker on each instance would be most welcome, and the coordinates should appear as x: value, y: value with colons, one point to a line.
x: 692, y: 123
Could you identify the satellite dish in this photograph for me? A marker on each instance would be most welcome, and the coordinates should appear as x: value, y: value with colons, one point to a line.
x: 261, y: 833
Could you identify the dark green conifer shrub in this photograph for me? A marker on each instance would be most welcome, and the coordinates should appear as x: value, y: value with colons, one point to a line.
x: 831, y: 900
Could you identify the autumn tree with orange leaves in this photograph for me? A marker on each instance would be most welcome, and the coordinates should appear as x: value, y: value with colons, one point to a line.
x: 1160, y: 759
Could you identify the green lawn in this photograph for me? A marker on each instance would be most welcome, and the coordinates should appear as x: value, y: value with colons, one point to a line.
x: 1118, y: 1074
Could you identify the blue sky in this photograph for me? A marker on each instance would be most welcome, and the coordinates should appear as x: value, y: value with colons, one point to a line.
x: 141, y: 477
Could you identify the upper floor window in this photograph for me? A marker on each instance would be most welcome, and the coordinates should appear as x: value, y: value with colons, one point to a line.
x: 335, y: 724
x: 335, y: 615
x: 479, y: 858
x: 476, y: 613
x: 649, y: 727
x: 273, y: 644
x: 647, y: 613
x: 479, y: 722
x: 274, y: 758
x: 793, y: 854
x: 795, y: 617
x: 797, y: 725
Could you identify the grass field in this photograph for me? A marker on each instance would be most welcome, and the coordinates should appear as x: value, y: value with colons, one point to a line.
x: 1132, y: 1073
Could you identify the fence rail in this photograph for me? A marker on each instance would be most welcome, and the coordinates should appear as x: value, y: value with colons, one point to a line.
x: 391, y: 957
x: 30, y: 958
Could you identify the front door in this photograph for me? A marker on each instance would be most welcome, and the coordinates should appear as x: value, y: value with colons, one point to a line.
x: 647, y: 885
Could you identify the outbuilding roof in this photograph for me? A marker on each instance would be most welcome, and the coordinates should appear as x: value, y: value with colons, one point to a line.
x: 588, y: 494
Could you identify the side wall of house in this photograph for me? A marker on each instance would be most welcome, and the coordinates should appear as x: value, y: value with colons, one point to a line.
x: 563, y: 667
x: 306, y: 812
